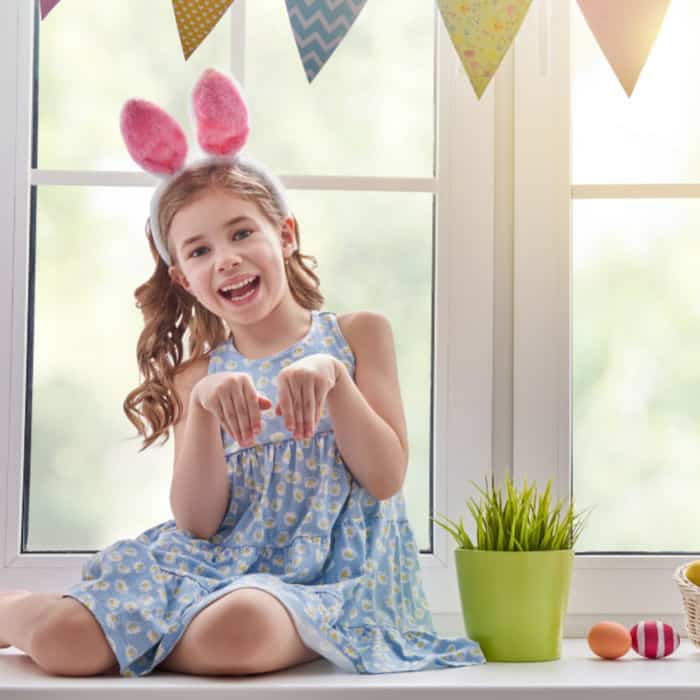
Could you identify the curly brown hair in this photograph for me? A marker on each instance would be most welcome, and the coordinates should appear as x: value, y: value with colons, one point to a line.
x: 169, y: 311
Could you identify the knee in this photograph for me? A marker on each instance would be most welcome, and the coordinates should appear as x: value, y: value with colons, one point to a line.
x: 70, y: 642
x: 233, y: 643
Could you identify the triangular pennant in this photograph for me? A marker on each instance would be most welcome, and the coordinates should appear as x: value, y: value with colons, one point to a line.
x: 482, y: 32
x: 47, y: 6
x: 195, y: 19
x: 319, y: 26
x: 625, y: 31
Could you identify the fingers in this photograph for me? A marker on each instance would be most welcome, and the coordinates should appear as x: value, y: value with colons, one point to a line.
x: 238, y: 407
x: 309, y: 408
x: 317, y: 408
x: 250, y: 415
x: 228, y: 412
x: 298, y: 400
x: 241, y: 414
x: 300, y: 404
x: 286, y: 404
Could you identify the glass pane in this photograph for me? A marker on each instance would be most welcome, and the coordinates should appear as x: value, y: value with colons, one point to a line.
x: 636, y: 404
x: 370, y: 109
x: 93, y: 57
x: 652, y: 136
x: 88, y: 484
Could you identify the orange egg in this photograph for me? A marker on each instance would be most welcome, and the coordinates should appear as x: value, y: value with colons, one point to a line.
x: 609, y: 640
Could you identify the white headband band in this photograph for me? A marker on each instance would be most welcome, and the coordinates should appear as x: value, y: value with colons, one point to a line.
x: 242, y: 161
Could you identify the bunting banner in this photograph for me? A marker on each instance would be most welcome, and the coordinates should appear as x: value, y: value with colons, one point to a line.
x: 195, y: 19
x: 319, y: 26
x: 46, y: 7
x: 482, y: 32
x: 625, y: 31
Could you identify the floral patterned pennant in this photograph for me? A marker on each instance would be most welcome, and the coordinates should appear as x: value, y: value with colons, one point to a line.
x: 482, y: 32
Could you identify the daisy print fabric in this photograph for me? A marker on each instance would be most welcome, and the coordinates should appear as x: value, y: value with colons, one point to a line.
x: 297, y: 525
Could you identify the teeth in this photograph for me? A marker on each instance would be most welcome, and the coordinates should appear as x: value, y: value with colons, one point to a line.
x: 237, y: 286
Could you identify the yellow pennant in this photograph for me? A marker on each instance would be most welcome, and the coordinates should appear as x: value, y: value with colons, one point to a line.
x: 195, y: 19
x: 482, y: 32
x: 625, y: 31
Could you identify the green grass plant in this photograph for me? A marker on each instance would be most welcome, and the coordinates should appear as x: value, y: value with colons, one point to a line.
x: 523, y: 521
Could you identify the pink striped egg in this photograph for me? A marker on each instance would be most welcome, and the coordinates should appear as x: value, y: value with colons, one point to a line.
x: 654, y: 639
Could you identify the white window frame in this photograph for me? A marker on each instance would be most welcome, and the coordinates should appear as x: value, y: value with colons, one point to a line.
x: 502, y: 395
x: 464, y: 221
x: 628, y: 587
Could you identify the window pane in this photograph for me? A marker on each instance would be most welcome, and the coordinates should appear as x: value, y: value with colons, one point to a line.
x: 654, y: 136
x: 636, y: 377
x: 369, y: 111
x: 83, y: 461
x: 88, y: 484
x: 95, y: 56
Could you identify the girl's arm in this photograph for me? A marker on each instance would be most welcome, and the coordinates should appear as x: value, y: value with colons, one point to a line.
x: 367, y: 415
x: 199, y: 489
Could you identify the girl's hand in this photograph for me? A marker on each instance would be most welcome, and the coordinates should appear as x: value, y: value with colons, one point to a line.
x: 232, y: 398
x: 302, y: 388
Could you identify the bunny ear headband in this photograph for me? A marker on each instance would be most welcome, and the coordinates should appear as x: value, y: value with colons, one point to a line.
x: 157, y: 143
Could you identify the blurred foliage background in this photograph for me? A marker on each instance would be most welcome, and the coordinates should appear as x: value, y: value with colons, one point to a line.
x: 370, y: 111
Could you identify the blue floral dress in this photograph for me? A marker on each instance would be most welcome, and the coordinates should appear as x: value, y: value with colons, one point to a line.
x: 297, y: 525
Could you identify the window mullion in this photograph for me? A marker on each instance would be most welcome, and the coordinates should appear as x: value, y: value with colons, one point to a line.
x: 463, y: 311
x: 541, y: 254
x: 237, y: 36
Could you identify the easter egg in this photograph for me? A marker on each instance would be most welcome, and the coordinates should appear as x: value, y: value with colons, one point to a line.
x: 692, y: 572
x: 609, y: 640
x: 654, y: 639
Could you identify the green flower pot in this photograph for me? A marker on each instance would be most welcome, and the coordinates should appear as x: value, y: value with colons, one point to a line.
x: 514, y: 603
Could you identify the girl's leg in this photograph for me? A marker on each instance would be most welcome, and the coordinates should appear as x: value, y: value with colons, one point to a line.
x: 19, y: 613
x: 60, y: 634
x: 246, y: 631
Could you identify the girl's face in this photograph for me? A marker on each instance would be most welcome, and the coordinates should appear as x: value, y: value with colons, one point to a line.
x: 233, y: 240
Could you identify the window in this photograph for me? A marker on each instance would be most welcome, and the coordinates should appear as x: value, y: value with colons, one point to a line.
x: 377, y: 172
x: 604, y: 303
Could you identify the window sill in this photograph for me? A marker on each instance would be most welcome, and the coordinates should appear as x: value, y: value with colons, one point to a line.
x: 577, y: 674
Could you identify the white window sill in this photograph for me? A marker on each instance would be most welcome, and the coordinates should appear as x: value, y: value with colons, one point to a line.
x: 577, y: 674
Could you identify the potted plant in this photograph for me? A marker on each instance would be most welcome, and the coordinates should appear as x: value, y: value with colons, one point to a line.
x: 514, y: 584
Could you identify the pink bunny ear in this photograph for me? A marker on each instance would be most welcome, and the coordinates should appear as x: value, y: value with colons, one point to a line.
x: 221, y: 114
x: 153, y: 138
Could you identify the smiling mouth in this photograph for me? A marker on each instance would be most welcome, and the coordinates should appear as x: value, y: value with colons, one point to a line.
x: 242, y: 292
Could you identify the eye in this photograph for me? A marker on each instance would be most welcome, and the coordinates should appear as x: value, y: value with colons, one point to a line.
x: 243, y: 230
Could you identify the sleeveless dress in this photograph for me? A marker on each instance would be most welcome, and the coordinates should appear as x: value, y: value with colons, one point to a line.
x: 298, y: 526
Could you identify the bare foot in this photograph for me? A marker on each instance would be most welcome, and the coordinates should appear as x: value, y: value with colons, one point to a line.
x: 6, y: 597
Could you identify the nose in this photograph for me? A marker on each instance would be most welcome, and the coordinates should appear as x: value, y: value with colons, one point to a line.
x: 229, y: 260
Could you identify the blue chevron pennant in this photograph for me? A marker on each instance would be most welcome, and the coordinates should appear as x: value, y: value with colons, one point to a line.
x: 319, y: 26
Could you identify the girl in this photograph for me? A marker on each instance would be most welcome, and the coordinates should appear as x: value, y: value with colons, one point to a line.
x: 290, y: 540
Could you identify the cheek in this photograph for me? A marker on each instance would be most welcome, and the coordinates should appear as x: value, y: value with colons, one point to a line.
x: 199, y: 285
x: 271, y: 262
